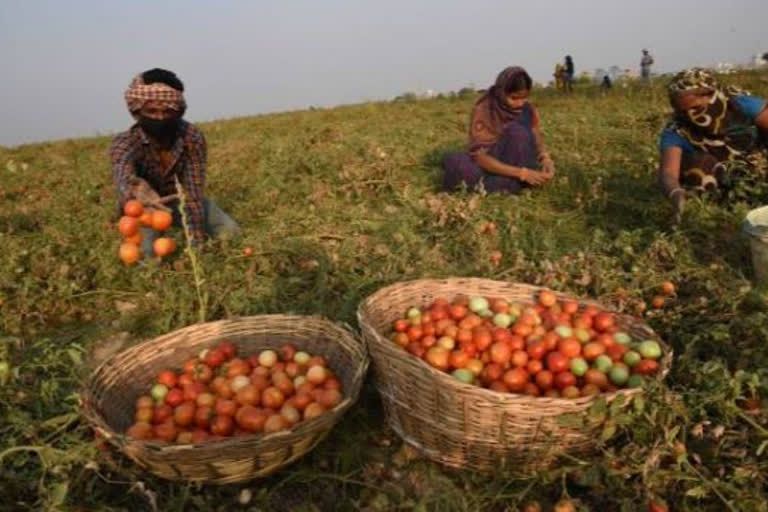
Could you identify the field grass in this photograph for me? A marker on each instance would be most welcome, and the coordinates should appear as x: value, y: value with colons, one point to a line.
x: 337, y: 203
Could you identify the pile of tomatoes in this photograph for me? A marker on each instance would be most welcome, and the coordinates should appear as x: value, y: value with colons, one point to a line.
x: 136, y: 216
x: 552, y: 348
x: 217, y: 395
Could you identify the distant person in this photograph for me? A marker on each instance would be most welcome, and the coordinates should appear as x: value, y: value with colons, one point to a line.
x: 645, y: 66
x: 160, y: 147
x: 558, y: 74
x: 606, y: 83
x: 506, y: 152
x: 717, y: 135
x: 569, y: 74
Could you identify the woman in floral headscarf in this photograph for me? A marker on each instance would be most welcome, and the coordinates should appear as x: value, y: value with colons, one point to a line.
x: 506, y: 152
x: 717, y: 136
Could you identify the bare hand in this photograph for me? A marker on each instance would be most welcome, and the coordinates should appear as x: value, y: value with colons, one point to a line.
x: 548, y: 166
x: 534, y: 178
x: 678, y: 202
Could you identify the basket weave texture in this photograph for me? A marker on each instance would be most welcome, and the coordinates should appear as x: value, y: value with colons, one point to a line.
x: 466, y: 426
x: 108, y: 399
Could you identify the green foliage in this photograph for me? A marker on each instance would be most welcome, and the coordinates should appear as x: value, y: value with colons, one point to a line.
x: 337, y: 203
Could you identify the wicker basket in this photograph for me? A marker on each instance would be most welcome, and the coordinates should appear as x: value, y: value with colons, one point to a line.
x: 467, y: 426
x: 108, y: 400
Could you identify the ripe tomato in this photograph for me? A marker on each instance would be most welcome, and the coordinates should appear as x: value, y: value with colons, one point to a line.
x: 498, y: 386
x: 658, y: 302
x: 417, y: 349
x: 482, y: 338
x: 184, y: 414
x: 519, y: 358
x: 547, y: 298
x: 228, y: 348
x: 500, y: 334
x: 463, y: 336
x: 570, y: 306
x: 534, y: 366
x: 459, y: 359
x: 516, y: 342
x: 616, y: 352
x: 133, y: 208
x: 129, y: 253
x: 557, y: 362
x: 457, y: 311
x: 222, y: 426
x: 145, y: 401
x: 605, y: 340
x: 492, y: 372
x: 225, y: 407
x: 550, y: 340
x: 571, y: 392
x: 536, y: 350
x: 401, y: 338
x: 165, y: 431
x: 531, y: 389
x: 428, y: 329
x: 164, y: 246
x: 591, y: 310
x: 203, y: 416
x: 544, y: 379
x: 236, y: 367
x: 161, y: 413
x: 161, y: 220
x: 646, y: 367
x: 438, y: 357
x: 128, y: 225
x: 167, y: 378
x: 135, y: 238
x: 500, y: 353
x: 667, y: 288
x: 202, y: 373
x: 569, y: 347
x: 582, y: 321
x: 438, y: 313
x: 515, y: 379
x: 522, y: 329
x: 593, y: 350
x: 192, y: 391
x: 603, y: 322
x: 415, y: 332
x: 249, y: 395
x: 499, y: 306
x: 596, y: 378
x: 144, y: 414
x: 401, y: 325
x: 250, y: 419
x: 174, y: 397
x: 441, y: 302
x: 564, y: 380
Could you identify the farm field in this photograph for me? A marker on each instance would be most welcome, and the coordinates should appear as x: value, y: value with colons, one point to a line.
x: 336, y: 203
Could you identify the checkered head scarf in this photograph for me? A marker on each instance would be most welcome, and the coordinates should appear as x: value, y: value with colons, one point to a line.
x: 139, y: 93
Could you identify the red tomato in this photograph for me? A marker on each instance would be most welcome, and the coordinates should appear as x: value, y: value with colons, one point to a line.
x: 226, y: 407
x: 481, y: 337
x: 531, y: 389
x: 515, y: 379
x: 417, y: 349
x: 564, y: 380
x: 547, y: 298
x: 222, y: 426
x: 616, y: 352
x: 401, y: 325
x: 519, y: 358
x: 557, y: 362
x: 428, y: 341
x: 203, y: 373
x: 400, y: 338
x: 499, y: 306
x: 167, y: 378
x: 192, y: 391
x: 165, y: 431
x: 228, y: 348
x: 516, y: 342
x: 492, y: 372
x: 593, y: 350
x: 498, y: 386
x: 646, y: 367
x: 463, y: 336
x: 415, y: 332
x: 536, y: 350
x: 570, y: 306
x: 582, y: 322
x: 522, y: 329
x: 534, y: 366
x: 596, y: 378
x: 603, y: 322
x: 215, y: 358
x: 500, y: 353
x: 161, y: 413
x: 189, y: 366
x: 203, y: 416
x: 500, y: 334
x: 569, y: 347
x: 428, y: 329
x: 174, y: 397
x: 438, y: 358
x: 458, y: 359
x: 606, y: 340
x: 544, y: 379
x: 591, y: 310
x: 469, y: 348
x: 438, y: 313
x: 184, y: 414
x: 457, y: 311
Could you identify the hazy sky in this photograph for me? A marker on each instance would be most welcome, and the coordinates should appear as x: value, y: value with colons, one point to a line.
x: 66, y: 63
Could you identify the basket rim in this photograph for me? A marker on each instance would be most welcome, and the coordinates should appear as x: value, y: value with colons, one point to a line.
x: 97, y: 421
x: 665, y: 362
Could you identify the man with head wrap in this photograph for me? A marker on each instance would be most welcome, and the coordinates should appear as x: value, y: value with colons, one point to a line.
x: 160, y: 148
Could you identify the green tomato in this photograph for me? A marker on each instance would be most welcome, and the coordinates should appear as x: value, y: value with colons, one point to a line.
x: 603, y: 363
x: 514, y: 311
x: 619, y: 375
x: 650, y: 349
x: 622, y: 338
x: 5, y: 372
x: 564, y: 331
x: 579, y: 366
x: 464, y: 375
x: 158, y: 392
x: 502, y: 320
x: 635, y: 381
x: 478, y: 304
x: 414, y: 313
x: 581, y: 334
x: 631, y: 358
x: 485, y: 313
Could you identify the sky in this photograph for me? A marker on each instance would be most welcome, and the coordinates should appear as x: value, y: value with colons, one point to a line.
x: 66, y: 64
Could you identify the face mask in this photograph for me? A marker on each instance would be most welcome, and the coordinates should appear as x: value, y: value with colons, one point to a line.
x: 159, y: 128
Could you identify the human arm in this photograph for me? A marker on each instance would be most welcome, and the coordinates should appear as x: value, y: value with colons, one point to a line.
x: 495, y: 166
x: 669, y: 178
x: 193, y: 184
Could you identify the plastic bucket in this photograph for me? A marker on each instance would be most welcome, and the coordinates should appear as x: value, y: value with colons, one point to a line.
x: 756, y: 227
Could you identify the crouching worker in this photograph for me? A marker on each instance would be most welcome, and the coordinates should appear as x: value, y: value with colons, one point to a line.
x: 160, y: 148
x: 506, y: 153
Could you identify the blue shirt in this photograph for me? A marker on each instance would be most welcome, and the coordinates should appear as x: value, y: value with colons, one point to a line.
x: 750, y: 106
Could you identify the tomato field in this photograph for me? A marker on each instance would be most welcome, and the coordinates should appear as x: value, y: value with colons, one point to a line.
x: 337, y: 203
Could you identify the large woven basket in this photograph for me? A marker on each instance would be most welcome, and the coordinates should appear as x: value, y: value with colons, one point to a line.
x: 467, y: 426
x: 108, y: 400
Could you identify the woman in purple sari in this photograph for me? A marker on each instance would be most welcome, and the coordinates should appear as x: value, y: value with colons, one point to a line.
x: 506, y: 152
